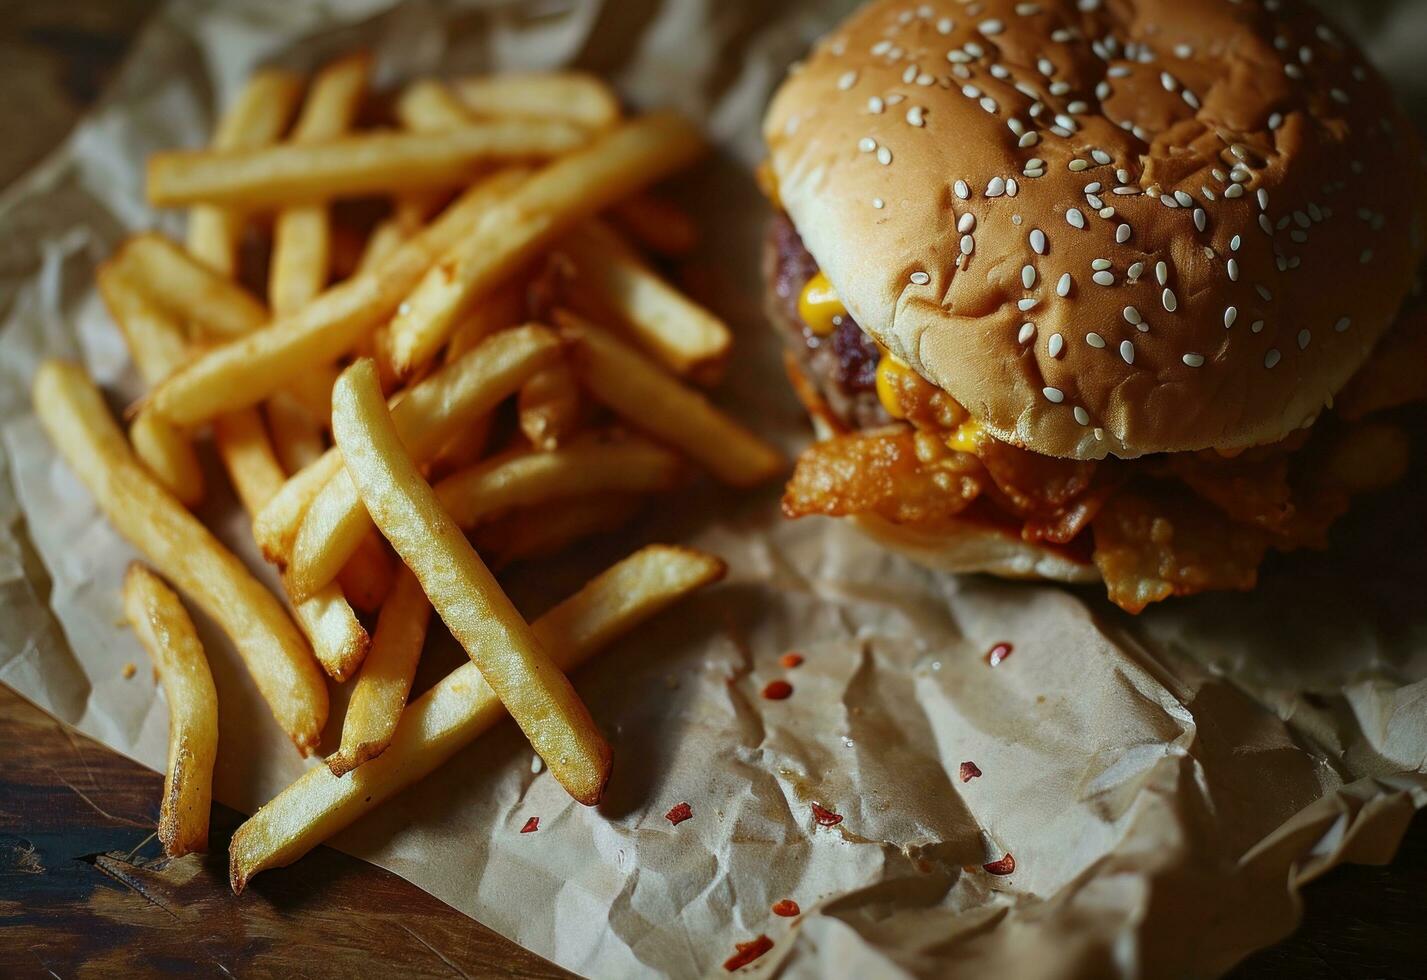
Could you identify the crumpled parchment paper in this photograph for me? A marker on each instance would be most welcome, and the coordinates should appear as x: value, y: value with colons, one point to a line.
x: 1163, y: 783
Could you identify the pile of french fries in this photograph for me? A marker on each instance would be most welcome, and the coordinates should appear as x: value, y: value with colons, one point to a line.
x: 464, y: 360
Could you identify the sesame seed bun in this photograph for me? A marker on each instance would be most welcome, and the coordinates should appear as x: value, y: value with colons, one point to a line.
x: 1107, y: 228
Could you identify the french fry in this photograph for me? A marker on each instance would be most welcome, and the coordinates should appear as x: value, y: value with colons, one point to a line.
x: 185, y: 287
x: 338, y: 640
x: 385, y: 239
x: 428, y: 417
x: 368, y: 576
x: 165, y: 631
x: 550, y: 407
x: 538, y: 533
x: 459, y: 708
x: 532, y: 479
x: 503, y: 307
x: 679, y: 333
x: 428, y: 106
x: 275, y: 525
x: 529, y: 218
x: 350, y: 166
x: 650, y: 400
x: 573, y: 96
x: 465, y: 594
x: 248, y: 370
x: 657, y: 224
x: 302, y: 236
x: 157, y: 346
x: 385, y: 680
x: 296, y: 435
x: 259, y: 116
x: 73, y: 414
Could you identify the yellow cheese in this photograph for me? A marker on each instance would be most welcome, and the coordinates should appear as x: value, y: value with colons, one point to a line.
x: 819, y: 305
x: 887, y: 370
x: 967, y: 437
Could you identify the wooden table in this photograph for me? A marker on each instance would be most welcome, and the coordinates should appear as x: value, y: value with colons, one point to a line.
x: 84, y: 889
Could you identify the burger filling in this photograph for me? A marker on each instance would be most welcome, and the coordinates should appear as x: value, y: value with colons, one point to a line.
x: 898, y: 448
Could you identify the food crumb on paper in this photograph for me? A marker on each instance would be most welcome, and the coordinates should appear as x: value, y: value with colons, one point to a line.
x: 826, y: 817
x: 129, y: 670
x: 531, y: 826
x: 998, y: 653
x: 777, y: 690
x: 537, y: 764
x: 969, y: 771
x: 748, y: 952
x: 678, y: 813
x: 787, y: 908
x: 791, y: 659
x: 1003, y: 866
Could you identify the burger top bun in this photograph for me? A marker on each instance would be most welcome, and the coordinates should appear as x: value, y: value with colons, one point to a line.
x: 1116, y: 227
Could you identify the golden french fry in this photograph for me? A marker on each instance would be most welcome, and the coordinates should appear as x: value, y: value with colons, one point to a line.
x: 385, y: 239
x: 385, y: 681
x: 296, y: 435
x: 657, y: 224
x: 338, y: 640
x: 650, y: 400
x: 427, y: 417
x: 462, y: 590
x: 156, y: 343
x: 368, y: 577
x: 73, y: 414
x: 187, y: 288
x: 302, y: 236
x: 461, y: 707
x: 165, y: 631
x: 275, y: 525
x: 550, y: 407
x: 428, y: 106
x: 679, y: 333
x: 532, y: 479
x: 248, y: 370
x: 529, y: 218
x: 503, y: 307
x: 574, y: 96
x: 259, y: 116
x: 350, y: 166
x: 540, y: 532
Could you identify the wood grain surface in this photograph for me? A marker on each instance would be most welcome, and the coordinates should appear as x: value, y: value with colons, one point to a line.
x: 84, y: 890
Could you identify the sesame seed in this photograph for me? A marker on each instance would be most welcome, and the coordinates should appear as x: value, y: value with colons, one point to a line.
x: 1075, y: 218
x: 920, y: 278
x: 1100, y: 264
x: 910, y: 75
x: 916, y: 116
x: 884, y: 156
x: 1028, y: 9
x: 1272, y: 358
x: 1055, y: 345
x: 1053, y: 395
x: 1046, y: 66
x: 867, y: 144
x: 1136, y: 270
x: 1132, y: 316
x: 1266, y: 225
x: 848, y: 80
x: 1171, y: 302
x: 1119, y: 71
x: 1028, y: 139
x: 1342, y: 325
x: 1082, y: 416
x: 1028, y: 276
x: 1183, y: 51
x: 1168, y: 201
x: 1095, y: 340
x: 1234, y: 191
x: 973, y: 49
x: 1122, y: 234
x: 1264, y: 294
x: 989, y: 104
x: 1169, y: 82
x: 1028, y: 330
x: 1099, y: 434
x: 996, y: 187
x: 1201, y: 220
x: 1038, y: 241
x: 1275, y: 120
x: 1230, y: 315
x: 1102, y: 90
x: 1127, y: 351
x: 1062, y: 288
x: 1104, y: 278
x: 876, y: 105
x: 1076, y: 166
x: 945, y: 25
x: 968, y: 244
x: 1190, y: 99
x: 1126, y: 191
x: 1292, y: 71
x: 1077, y: 108
x: 1256, y: 326
x: 1000, y: 71
x: 1012, y: 188
x: 967, y: 223
x: 881, y: 47
x: 1029, y: 303
x: 991, y: 27
x: 1065, y: 122
x: 1193, y: 360
x: 1304, y: 336
x: 963, y: 190
x: 1263, y: 198
x: 878, y: 203
x: 1298, y: 237
x: 1161, y: 273
x: 1235, y: 242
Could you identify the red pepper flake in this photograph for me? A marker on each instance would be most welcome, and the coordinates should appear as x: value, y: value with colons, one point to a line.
x: 679, y: 813
x: 791, y: 659
x: 748, y: 952
x: 777, y: 690
x: 1004, y: 866
x: 998, y: 653
x: 969, y: 771
x: 531, y: 826
x: 787, y: 908
x: 826, y: 817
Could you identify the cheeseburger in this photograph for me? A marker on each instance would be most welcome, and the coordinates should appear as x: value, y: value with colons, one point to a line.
x: 1087, y: 290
